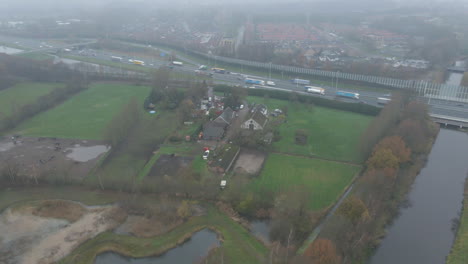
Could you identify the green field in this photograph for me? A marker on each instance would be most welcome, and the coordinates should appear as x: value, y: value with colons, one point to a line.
x: 326, y: 180
x: 86, y: 114
x: 459, y: 253
x: 332, y: 134
x: 21, y: 94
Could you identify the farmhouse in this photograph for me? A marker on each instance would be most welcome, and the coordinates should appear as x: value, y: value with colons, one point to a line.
x: 214, y: 130
x: 256, y: 121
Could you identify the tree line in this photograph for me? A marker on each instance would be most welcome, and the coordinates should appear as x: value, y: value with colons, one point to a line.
x: 394, y: 161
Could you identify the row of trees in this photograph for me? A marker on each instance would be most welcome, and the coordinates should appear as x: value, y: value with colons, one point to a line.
x: 393, y: 164
x: 19, y: 114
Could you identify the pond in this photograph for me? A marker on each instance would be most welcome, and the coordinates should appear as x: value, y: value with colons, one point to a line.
x: 191, y: 251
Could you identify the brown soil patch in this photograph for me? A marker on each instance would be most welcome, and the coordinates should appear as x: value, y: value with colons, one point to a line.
x: 59, y: 209
x: 249, y: 161
x: 169, y: 165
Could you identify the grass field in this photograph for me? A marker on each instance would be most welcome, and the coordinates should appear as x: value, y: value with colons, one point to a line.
x: 326, y: 180
x: 22, y: 94
x: 86, y: 114
x: 459, y: 252
x: 332, y: 134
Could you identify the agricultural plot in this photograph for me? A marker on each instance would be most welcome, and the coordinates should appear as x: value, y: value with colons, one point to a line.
x: 13, y: 98
x: 330, y: 134
x: 85, y: 115
x: 325, y: 180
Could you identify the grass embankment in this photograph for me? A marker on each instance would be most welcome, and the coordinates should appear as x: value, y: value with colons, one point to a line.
x: 135, y: 68
x: 326, y: 180
x: 239, y: 245
x: 459, y: 252
x: 86, y: 114
x: 331, y: 134
x: 37, y: 56
x: 13, y: 98
x: 90, y: 197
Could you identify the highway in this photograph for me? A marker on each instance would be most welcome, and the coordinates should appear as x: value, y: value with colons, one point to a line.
x: 436, y: 106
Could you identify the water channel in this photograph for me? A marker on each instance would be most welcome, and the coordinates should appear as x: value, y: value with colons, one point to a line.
x: 189, y: 252
x: 422, y: 233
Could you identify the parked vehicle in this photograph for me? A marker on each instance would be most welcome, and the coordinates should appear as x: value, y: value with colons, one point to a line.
x: 383, y: 100
x: 300, y: 81
x: 254, y: 81
x: 347, y: 94
x: 313, y: 89
x: 177, y: 63
x: 270, y: 83
x: 206, y: 154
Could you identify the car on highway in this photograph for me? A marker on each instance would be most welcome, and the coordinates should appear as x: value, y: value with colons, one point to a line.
x: 270, y: 83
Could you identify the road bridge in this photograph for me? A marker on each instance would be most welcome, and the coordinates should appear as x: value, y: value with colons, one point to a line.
x: 450, y: 120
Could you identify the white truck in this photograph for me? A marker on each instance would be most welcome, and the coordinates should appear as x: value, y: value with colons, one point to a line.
x: 177, y: 63
x: 315, y: 90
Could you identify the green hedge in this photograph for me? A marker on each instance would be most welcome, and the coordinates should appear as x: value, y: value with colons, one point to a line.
x: 283, y: 95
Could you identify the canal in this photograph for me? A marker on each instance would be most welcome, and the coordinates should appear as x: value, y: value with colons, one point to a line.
x: 422, y: 233
x: 191, y: 251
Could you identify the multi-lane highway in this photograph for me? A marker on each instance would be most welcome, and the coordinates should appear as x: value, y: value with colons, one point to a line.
x: 437, y: 106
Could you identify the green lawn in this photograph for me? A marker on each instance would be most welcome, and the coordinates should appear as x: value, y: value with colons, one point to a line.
x: 332, y: 134
x: 21, y: 94
x: 85, y: 115
x: 459, y: 253
x: 326, y: 180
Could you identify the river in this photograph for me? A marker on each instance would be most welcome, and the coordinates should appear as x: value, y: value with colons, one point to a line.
x: 192, y: 250
x: 422, y: 233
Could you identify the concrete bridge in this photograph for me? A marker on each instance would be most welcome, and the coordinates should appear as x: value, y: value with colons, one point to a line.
x: 450, y: 121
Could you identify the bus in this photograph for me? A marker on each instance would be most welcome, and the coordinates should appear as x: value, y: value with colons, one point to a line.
x: 138, y: 62
x: 348, y: 94
x: 383, y: 100
x: 300, y: 81
x: 218, y: 70
x: 313, y: 89
x: 254, y: 81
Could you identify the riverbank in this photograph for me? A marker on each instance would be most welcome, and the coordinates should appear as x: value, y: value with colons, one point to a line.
x: 239, y: 245
x: 359, y: 224
x: 459, y: 252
